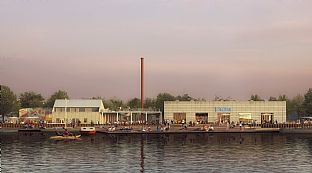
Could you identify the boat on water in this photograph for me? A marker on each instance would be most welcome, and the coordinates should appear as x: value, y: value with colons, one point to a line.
x: 87, y: 131
x: 76, y: 137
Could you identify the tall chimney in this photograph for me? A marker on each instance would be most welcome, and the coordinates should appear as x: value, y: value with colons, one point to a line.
x: 142, y: 83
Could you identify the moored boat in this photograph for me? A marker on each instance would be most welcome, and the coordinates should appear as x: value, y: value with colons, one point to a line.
x: 87, y: 130
x: 77, y: 137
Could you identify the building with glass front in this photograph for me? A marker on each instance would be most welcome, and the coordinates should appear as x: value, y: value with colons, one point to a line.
x: 225, y: 111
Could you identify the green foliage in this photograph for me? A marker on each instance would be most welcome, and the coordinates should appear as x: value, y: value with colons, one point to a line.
x: 31, y: 100
x: 8, y: 101
x: 218, y: 98
x: 161, y: 98
x: 294, y: 105
x: 184, y: 97
x: 57, y: 95
x: 282, y: 98
x: 150, y: 103
x: 307, y: 103
x: 134, y: 103
x: 256, y: 97
x: 114, y: 104
x: 272, y: 99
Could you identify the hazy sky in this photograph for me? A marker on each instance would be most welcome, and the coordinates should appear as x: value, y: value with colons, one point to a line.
x: 204, y: 48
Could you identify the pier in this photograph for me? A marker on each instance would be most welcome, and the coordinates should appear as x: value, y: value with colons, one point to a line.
x: 174, y: 129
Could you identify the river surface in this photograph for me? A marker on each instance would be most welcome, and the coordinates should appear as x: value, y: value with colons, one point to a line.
x: 21, y: 152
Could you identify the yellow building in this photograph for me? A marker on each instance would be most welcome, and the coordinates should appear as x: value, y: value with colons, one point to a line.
x: 225, y: 111
x: 82, y: 111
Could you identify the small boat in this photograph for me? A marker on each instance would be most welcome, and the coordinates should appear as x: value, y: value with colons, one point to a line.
x: 77, y: 137
x: 87, y: 130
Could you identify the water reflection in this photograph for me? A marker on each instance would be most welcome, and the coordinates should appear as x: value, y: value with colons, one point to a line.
x: 158, y: 153
x: 142, y: 154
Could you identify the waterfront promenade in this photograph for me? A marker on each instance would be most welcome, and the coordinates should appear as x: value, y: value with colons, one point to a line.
x: 172, y: 129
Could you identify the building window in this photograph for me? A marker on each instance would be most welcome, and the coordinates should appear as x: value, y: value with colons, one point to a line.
x: 179, y: 117
x: 82, y: 109
x: 58, y: 120
x: 267, y: 118
x: 223, y: 118
x: 245, y: 117
x: 95, y: 109
x: 201, y: 118
x: 85, y: 120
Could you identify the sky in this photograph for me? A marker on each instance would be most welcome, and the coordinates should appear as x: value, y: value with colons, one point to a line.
x: 206, y: 48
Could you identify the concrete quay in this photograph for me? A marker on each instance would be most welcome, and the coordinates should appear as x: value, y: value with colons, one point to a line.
x: 47, y: 130
x: 175, y: 129
x: 179, y: 130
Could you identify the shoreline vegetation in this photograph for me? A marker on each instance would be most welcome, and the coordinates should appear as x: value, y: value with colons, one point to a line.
x: 297, y: 106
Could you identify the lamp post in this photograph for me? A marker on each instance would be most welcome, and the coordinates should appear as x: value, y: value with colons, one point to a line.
x: 65, y: 121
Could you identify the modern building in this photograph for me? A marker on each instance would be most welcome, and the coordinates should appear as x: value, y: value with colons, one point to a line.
x: 132, y: 117
x: 93, y: 111
x: 82, y: 111
x: 225, y: 111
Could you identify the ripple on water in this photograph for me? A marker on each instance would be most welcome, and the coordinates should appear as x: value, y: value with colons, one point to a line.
x: 159, y: 153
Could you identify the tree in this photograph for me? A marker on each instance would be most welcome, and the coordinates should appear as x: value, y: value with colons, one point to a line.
x: 150, y: 103
x: 57, y: 95
x: 134, y: 103
x: 256, y: 97
x: 113, y: 104
x: 31, y: 100
x: 217, y: 98
x: 282, y: 98
x: 161, y: 97
x: 8, y: 101
x: 272, y: 99
x: 184, y: 97
x: 307, y: 103
x: 294, y: 107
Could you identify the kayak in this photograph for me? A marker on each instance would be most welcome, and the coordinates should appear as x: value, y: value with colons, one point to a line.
x: 66, y: 137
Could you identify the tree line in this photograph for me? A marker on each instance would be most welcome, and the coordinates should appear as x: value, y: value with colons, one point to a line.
x: 300, y: 105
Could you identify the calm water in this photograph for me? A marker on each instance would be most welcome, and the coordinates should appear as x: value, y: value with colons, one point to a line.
x: 158, y: 153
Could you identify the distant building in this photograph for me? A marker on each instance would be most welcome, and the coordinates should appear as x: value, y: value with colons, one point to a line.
x: 82, y: 111
x: 225, y: 111
x: 31, y: 115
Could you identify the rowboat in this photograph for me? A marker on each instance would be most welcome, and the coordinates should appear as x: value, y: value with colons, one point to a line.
x: 87, y: 130
x: 77, y: 137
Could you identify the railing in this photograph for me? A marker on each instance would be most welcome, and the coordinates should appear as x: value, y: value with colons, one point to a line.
x: 54, y: 125
x: 287, y: 125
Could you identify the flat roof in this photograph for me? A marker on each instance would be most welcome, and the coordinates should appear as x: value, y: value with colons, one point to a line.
x: 78, y: 103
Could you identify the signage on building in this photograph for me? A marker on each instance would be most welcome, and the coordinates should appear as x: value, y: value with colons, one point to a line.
x: 223, y: 109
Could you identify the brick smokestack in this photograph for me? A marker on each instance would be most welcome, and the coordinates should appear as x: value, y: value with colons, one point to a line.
x: 142, y: 83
